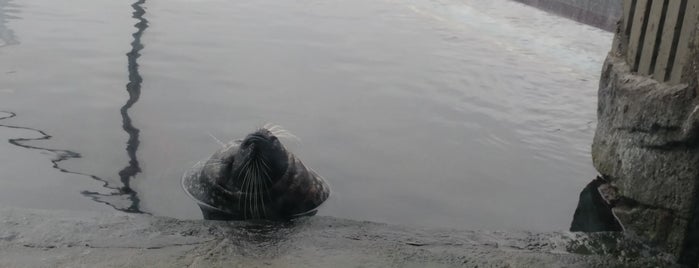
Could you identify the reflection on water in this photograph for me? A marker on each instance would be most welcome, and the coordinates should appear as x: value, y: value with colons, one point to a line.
x: 134, y: 90
x: 7, y: 36
x: 122, y: 198
x: 61, y: 155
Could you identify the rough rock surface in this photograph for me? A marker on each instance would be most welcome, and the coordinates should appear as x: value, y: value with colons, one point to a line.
x: 646, y: 144
x: 33, y: 238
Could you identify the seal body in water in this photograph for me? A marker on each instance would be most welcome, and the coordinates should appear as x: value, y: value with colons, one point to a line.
x: 255, y: 178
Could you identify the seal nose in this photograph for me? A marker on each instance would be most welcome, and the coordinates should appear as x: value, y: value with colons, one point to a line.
x: 253, y: 139
x: 247, y: 143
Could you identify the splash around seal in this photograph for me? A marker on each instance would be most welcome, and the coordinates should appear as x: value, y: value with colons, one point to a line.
x: 255, y: 178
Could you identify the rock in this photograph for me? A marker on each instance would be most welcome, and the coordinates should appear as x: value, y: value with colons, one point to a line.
x: 646, y: 144
x: 594, y: 211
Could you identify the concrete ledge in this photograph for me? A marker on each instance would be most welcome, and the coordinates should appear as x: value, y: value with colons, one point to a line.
x: 33, y: 238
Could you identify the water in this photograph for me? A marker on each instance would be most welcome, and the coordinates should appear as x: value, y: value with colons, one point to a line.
x: 441, y: 113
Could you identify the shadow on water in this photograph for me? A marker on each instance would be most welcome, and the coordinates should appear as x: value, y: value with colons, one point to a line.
x: 133, y: 87
x: 7, y: 36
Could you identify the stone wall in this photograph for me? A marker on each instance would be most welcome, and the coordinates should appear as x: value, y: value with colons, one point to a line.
x: 647, y: 145
x: 599, y: 13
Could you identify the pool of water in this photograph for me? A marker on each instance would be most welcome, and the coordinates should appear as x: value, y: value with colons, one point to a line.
x: 441, y: 113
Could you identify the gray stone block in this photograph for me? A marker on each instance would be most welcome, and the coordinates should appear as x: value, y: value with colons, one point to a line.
x: 647, y: 145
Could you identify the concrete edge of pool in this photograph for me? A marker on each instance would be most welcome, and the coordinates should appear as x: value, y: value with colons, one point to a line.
x: 41, y: 238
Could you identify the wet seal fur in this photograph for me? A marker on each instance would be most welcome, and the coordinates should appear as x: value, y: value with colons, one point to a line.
x: 255, y: 178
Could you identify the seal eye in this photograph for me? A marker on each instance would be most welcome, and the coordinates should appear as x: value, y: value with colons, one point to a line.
x: 274, y: 139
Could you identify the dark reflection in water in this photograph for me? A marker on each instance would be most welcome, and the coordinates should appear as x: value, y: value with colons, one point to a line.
x: 7, y: 36
x: 123, y: 198
x: 134, y: 90
x: 63, y: 155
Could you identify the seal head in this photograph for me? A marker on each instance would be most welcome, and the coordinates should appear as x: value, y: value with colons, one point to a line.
x: 255, y: 178
x: 259, y: 154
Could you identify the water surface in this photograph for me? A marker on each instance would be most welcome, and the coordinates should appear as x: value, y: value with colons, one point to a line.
x: 443, y: 113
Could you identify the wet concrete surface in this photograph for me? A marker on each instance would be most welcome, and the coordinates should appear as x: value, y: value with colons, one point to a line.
x: 40, y: 238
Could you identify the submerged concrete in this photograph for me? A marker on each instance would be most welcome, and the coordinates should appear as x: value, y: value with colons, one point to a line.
x: 34, y: 238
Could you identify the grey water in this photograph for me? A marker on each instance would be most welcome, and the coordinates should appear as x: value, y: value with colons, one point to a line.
x: 440, y: 113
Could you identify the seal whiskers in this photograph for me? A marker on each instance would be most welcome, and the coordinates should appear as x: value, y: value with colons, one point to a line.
x: 280, y: 132
x: 255, y: 184
x: 262, y: 184
x: 216, y: 140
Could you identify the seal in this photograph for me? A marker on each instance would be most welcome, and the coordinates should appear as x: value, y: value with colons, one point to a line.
x: 255, y: 178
